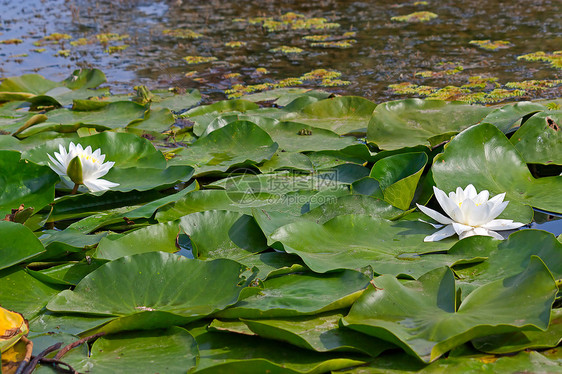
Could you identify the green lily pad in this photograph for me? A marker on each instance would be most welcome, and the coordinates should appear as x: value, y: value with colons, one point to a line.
x: 300, y: 294
x: 18, y: 244
x: 284, y: 182
x: 202, y: 200
x: 24, y: 294
x: 422, y: 316
x: 165, y: 351
x: 222, y: 352
x: 60, y: 242
x: 30, y: 84
x: 57, y: 323
x: 412, y: 122
x: 539, y: 140
x: 138, y: 165
x: 153, y: 290
x: 24, y: 182
x: 398, y: 177
x: 223, y: 234
x: 291, y: 136
x: 64, y: 96
x: 356, y: 241
x: 83, y: 205
x: 112, y: 116
x: 157, y: 120
x: 236, y: 144
x: 131, y: 212
x: 520, y: 340
x: 85, y: 78
x: 342, y: 115
x: 287, y: 161
x: 353, y: 204
x: 510, y: 116
x: 355, y: 154
x: 510, y: 257
x: 203, y: 115
x: 284, y: 96
x: 127, y: 150
x: 296, y: 137
x: 319, y: 333
x: 179, y: 102
x: 484, y: 157
x: 271, y: 264
x: 160, y: 237
x: 67, y: 274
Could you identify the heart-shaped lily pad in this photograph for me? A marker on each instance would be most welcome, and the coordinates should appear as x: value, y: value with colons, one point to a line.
x: 355, y: 241
x: 166, y: 351
x: 154, y: 289
x: 539, y: 140
x: 484, y: 157
x: 342, y: 115
x: 24, y: 182
x: 422, y: 316
x: 412, y: 122
x: 236, y: 144
x: 300, y: 294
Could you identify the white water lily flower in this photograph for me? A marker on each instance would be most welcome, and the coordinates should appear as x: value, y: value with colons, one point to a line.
x: 469, y: 214
x: 92, y: 166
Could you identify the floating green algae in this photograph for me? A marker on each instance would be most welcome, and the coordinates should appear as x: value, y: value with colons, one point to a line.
x: 182, y: 33
x: 554, y: 58
x: 415, y: 17
x: 192, y: 60
x: 288, y: 50
x: 335, y: 44
x: 492, y: 45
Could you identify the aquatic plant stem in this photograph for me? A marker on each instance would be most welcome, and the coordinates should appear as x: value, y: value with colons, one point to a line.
x: 75, y: 189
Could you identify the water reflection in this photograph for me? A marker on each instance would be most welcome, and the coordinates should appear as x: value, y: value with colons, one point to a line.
x: 386, y: 52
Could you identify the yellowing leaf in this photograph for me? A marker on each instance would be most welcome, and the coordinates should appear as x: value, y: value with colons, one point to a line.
x: 12, y: 327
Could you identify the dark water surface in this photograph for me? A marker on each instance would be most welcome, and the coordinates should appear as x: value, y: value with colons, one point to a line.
x: 385, y: 52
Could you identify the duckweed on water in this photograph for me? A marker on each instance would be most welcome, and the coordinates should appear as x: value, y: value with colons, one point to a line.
x: 192, y: 60
x: 235, y: 44
x: 11, y: 41
x: 55, y: 37
x: 110, y: 37
x: 337, y: 44
x: 182, y: 33
x: 491, y: 45
x: 554, y: 58
x: 291, y: 21
x: 288, y: 50
x: 415, y: 17
x: 116, y: 48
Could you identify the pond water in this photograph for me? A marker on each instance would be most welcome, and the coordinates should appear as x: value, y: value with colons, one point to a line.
x: 372, y: 50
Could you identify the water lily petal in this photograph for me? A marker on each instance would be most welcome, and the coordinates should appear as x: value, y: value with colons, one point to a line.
x: 498, y: 209
x: 441, y: 234
x: 475, y: 215
x: 435, y: 225
x: 97, y: 185
x: 57, y: 166
x: 502, y: 224
x: 435, y: 215
x: 497, y: 199
x: 495, y: 235
x: 470, y: 192
x: 482, y: 197
x: 460, y: 228
x: 102, y: 170
x: 445, y: 201
x: 457, y: 215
